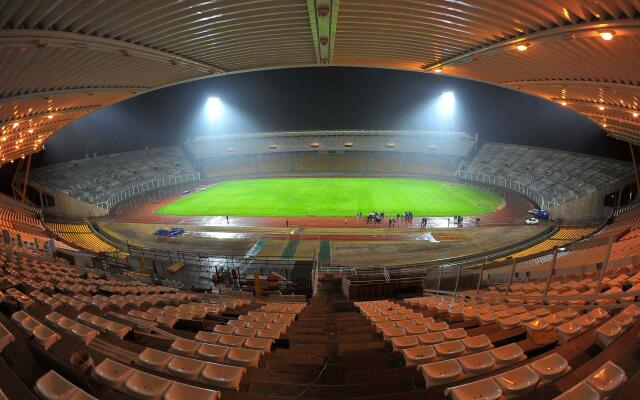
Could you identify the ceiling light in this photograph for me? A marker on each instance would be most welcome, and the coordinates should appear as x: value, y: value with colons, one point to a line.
x: 522, y: 46
x: 437, y: 70
x: 601, y: 108
x: 50, y: 116
x: 564, y: 103
x: 635, y: 115
x: 604, y: 125
x: 607, y: 35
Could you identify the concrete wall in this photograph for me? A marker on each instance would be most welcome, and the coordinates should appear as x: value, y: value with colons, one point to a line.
x: 66, y: 206
x: 588, y: 206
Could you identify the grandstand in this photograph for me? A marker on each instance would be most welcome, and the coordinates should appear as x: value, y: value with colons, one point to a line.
x: 498, y: 301
x: 558, y: 176
x: 80, y: 236
x: 149, y: 341
x: 106, y: 180
x: 562, y: 237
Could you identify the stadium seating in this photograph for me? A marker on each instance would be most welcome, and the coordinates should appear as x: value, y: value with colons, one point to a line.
x: 562, y: 237
x: 150, y: 341
x: 22, y: 222
x: 95, y: 180
x: 440, y: 341
x: 361, y: 163
x: 81, y: 236
x: 559, y: 175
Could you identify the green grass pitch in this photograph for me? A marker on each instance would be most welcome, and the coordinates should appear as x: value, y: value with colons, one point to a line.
x: 334, y: 197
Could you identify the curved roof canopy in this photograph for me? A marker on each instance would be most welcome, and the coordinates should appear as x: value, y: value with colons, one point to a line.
x: 61, y: 59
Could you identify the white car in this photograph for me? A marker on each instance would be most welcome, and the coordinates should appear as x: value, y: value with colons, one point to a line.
x: 531, y: 221
x: 533, y: 211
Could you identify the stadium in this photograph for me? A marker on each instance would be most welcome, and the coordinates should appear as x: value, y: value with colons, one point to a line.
x: 330, y: 199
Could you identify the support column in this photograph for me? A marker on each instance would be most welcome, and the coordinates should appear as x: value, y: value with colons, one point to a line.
x: 513, y: 271
x: 635, y: 168
x: 455, y: 289
x: 605, y: 264
x: 480, y: 277
x: 553, y: 269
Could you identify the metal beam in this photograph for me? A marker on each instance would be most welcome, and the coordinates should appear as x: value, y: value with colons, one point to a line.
x: 50, y: 38
x: 635, y: 166
x: 323, y: 17
x: 574, y: 83
x: 313, y: 23
x: 595, y: 116
x: 574, y: 31
x: 335, y: 10
x: 87, y: 108
x: 579, y: 102
x: 87, y: 90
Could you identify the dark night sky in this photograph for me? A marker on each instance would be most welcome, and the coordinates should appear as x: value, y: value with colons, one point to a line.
x: 327, y: 98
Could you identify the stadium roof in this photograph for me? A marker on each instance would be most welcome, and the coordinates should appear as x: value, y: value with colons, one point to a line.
x: 60, y: 60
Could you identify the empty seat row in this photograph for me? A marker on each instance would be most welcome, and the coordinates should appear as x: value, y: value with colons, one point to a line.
x: 215, y: 348
x: 142, y: 385
x: 608, y: 332
x: 248, y: 332
x: 257, y: 343
x: 239, y: 323
x: 6, y: 337
x: 20, y: 298
x: 145, y: 386
x: 602, y: 384
x: 32, y: 327
x: 190, y: 368
x: 163, y: 320
x: 78, y: 330
x: 53, y: 386
x: 414, y: 337
x: 101, y: 324
x: 515, y: 383
x: 269, y: 317
x: 292, y: 308
x: 42, y: 298
x: 413, y: 352
x: 557, y: 320
x: 455, y: 369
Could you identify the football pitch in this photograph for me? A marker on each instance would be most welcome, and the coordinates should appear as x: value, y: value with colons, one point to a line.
x: 334, y: 197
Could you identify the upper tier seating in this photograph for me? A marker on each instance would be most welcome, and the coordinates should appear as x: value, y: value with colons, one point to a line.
x: 95, y: 180
x: 558, y: 239
x: 559, y: 175
x: 23, y: 220
x: 80, y: 236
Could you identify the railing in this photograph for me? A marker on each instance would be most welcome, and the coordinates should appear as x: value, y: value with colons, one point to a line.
x: 147, y: 186
x: 499, y: 280
x: 315, y: 274
x: 628, y: 207
x: 202, y: 269
x: 533, y: 194
x: 453, y: 261
x: 603, y: 300
x: 475, y: 274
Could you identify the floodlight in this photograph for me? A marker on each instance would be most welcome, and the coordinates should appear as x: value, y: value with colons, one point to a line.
x: 214, y: 107
x: 447, y: 103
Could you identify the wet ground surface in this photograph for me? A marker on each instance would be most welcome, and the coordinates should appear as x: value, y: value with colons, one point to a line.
x: 335, y: 240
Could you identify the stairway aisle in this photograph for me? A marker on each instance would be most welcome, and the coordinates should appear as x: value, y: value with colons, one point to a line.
x: 333, y: 352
